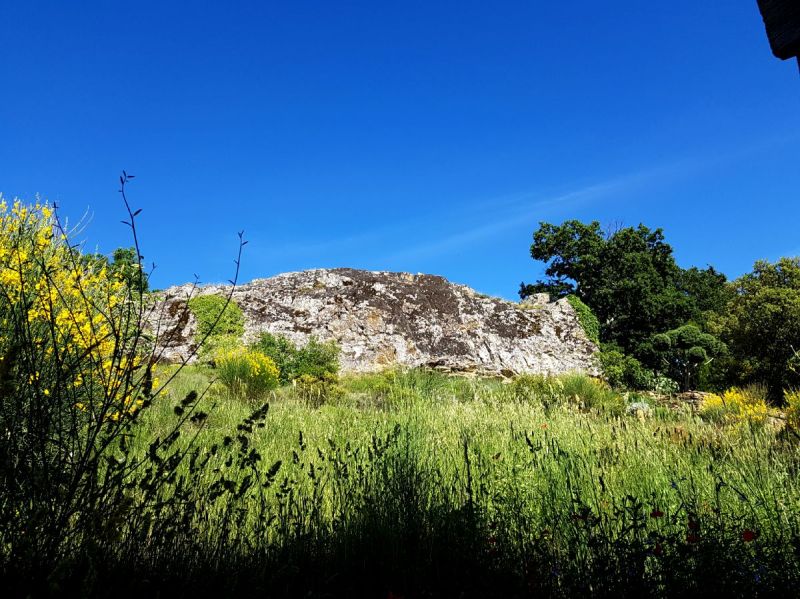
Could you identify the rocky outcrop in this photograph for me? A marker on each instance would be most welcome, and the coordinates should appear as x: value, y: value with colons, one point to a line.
x: 384, y: 319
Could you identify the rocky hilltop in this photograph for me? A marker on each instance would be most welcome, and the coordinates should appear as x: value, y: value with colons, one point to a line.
x: 383, y: 319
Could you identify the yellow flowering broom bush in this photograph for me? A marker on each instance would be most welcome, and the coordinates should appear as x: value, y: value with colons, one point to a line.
x: 736, y: 406
x: 73, y: 375
x: 79, y: 484
x: 792, y: 397
x: 62, y: 320
x: 246, y: 373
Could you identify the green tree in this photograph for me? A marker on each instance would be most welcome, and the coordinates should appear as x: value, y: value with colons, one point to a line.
x: 680, y: 353
x: 124, y: 264
x: 629, y: 278
x: 708, y: 287
x: 762, y: 326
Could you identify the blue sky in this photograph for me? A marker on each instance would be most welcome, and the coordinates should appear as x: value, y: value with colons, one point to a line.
x: 414, y: 136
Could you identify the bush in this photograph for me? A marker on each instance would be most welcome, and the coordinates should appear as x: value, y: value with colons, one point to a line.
x: 247, y: 374
x: 622, y: 371
x: 216, y: 345
x: 317, y: 391
x: 216, y: 316
x: 737, y: 406
x: 547, y: 390
x: 589, y: 393
x: 315, y: 359
x: 576, y: 389
x: 792, y: 399
x: 282, y: 352
x: 74, y: 377
x: 84, y: 488
x: 682, y: 353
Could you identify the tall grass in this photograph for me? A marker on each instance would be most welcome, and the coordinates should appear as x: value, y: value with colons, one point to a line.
x: 451, y: 486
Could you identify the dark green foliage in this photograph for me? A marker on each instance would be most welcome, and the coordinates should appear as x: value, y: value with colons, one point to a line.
x: 622, y: 371
x: 315, y: 359
x: 629, y: 279
x: 680, y: 353
x: 216, y: 316
x: 707, y: 287
x: 762, y: 326
x: 589, y: 322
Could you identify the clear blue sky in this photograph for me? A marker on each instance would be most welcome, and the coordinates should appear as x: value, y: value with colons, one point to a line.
x: 415, y: 136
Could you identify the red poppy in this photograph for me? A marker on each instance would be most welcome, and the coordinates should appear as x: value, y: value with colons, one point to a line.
x: 656, y: 513
x: 692, y: 538
x: 749, y: 535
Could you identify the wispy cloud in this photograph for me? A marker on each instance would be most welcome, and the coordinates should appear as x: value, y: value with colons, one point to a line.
x: 524, y: 209
x: 513, y: 210
x: 528, y: 207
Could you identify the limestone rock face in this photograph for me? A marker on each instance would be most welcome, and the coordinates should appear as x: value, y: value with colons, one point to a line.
x: 384, y: 319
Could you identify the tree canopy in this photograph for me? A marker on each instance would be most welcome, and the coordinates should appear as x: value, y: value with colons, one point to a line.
x: 628, y: 277
x: 124, y: 265
x: 762, y: 324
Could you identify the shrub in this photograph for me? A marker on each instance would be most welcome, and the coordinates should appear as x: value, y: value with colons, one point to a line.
x: 247, y: 374
x: 587, y: 319
x: 317, y: 391
x: 622, y: 371
x: 792, y: 399
x: 216, y: 315
x: 74, y: 377
x: 84, y: 488
x: 589, y: 393
x: 737, y: 405
x: 315, y: 359
x: 547, y: 390
x: 681, y: 353
x: 216, y: 345
x: 281, y: 350
x: 576, y: 389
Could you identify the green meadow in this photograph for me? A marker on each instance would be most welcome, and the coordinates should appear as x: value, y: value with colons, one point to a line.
x: 415, y: 483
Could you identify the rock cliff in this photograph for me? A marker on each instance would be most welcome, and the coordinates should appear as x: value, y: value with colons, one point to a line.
x: 384, y: 319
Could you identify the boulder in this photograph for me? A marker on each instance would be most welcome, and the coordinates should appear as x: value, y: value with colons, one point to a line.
x: 387, y: 319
